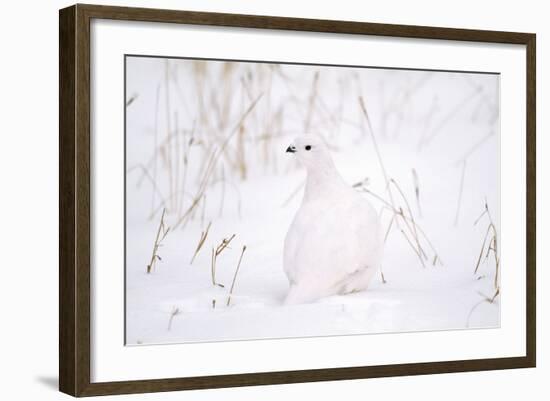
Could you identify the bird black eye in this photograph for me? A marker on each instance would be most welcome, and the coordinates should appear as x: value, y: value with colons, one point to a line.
x: 308, y: 147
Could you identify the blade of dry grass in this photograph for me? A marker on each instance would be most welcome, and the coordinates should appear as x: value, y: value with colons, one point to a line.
x: 416, y: 183
x: 235, y: 276
x: 491, y: 247
x: 173, y: 314
x: 377, y: 150
x: 460, y: 192
x: 216, y: 252
x: 202, y: 239
x: 162, y: 232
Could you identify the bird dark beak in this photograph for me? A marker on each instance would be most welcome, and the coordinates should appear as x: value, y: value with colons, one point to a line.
x: 291, y: 149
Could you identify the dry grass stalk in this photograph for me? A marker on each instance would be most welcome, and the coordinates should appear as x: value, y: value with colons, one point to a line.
x: 311, y: 103
x: 177, y: 159
x: 487, y: 248
x: 389, y: 228
x: 131, y: 99
x: 160, y: 149
x: 416, y: 183
x: 413, y: 248
x: 222, y: 197
x: 364, y: 183
x: 490, y: 247
x: 400, y: 101
x: 203, y: 210
x: 420, y: 251
x: 173, y: 314
x: 216, y: 252
x: 413, y: 226
x: 224, y: 244
x: 485, y: 299
x: 167, y: 152
x: 156, y: 189
x: 186, y: 148
x: 390, y: 225
x: 460, y: 191
x: 211, y: 164
x: 162, y: 232
x: 408, y: 222
x: 377, y: 150
x: 202, y: 239
x: 448, y: 117
x: 235, y: 276
x: 154, y: 178
x: 475, y: 147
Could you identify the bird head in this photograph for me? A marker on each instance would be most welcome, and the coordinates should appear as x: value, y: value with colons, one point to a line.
x: 311, y: 151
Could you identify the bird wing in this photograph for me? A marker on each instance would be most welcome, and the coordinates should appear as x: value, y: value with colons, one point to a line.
x: 331, y: 240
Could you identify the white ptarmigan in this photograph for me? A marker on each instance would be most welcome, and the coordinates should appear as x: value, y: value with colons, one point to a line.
x: 334, y: 244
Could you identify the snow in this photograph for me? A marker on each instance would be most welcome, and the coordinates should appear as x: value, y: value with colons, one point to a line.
x: 438, y: 123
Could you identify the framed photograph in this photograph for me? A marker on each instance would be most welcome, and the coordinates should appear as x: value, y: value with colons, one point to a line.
x: 250, y: 200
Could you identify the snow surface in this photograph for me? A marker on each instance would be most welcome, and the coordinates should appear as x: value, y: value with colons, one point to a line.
x: 444, y: 125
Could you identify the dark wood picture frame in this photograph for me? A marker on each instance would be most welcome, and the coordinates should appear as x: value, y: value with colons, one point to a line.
x: 74, y: 199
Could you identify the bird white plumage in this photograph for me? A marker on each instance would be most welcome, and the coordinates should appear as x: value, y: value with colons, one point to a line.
x: 334, y: 244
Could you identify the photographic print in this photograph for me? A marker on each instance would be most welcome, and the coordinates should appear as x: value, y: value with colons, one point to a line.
x: 280, y: 200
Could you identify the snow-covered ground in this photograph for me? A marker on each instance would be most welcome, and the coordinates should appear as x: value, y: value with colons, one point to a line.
x: 206, y: 141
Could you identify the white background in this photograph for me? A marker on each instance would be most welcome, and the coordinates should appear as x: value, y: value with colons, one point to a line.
x: 28, y: 157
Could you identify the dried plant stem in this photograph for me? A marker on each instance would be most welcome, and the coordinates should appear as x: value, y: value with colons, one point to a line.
x: 413, y: 247
x: 215, y: 254
x: 408, y: 221
x: 164, y: 202
x: 203, y: 210
x: 156, y: 189
x: 418, y: 249
x: 186, y: 147
x: 406, y: 218
x: 494, y: 248
x: 154, y: 178
x: 389, y: 228
x: 212, y: 163
x: 485, y: 299
x: 448, y: 117
x: 475, y: 147
x: 482, y: 249
x: 161, y: 234
x: 224, y: 244
x: 312, y: 97
x: 213, y: 267
x: 168, y: 110
x: 173, y: 314
x: 235, y: 276
x: 460, y: 191
x: 168, y: 141
x: 416, y: 183
x: 414, y: 225
x: 202, y: 239
x: 491, y: 246
x: 222, y: 197
x: 377, y: 150
x: 131, y: 99
x: 177, y: 158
